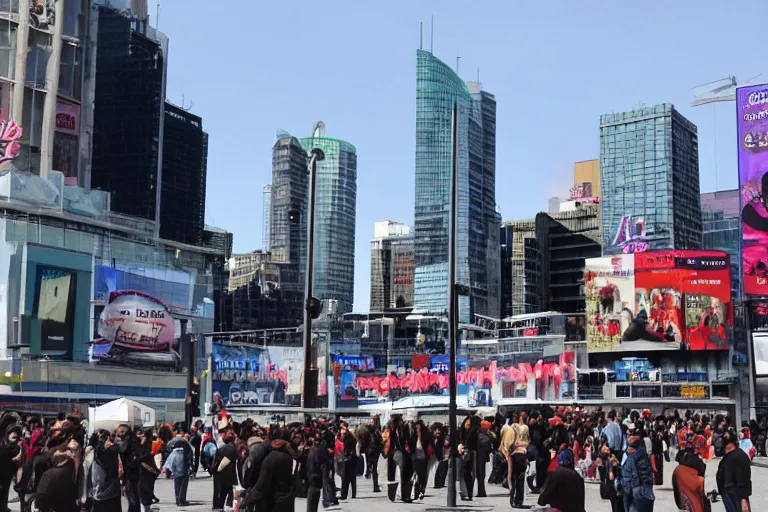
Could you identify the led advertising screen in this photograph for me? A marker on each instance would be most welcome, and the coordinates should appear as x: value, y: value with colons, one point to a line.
x: 658, y: 300
x: 246, y: 375
x: 752, y: 129
x: 135, y: 329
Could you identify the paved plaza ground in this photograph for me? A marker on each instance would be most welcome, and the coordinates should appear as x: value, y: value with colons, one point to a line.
x: 201, y: 492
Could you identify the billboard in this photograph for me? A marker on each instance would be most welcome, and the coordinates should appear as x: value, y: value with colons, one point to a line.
x: 760, y: 349
x: 658, y: 300
x: 752, y: 129
x: 247, y: 375
x: 135, y: 328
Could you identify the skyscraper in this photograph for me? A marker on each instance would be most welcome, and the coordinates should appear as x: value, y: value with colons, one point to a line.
x: 438, y: 87
x: 266, y: 213
x: 335, y: 210
x: 391, y: 266
x: 185, y: 166
x: 720, y: 220
x: 288, y: 218
x: 649, y: 179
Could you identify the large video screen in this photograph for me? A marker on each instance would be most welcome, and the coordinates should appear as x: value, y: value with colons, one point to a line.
x: 249, y: 375
x: 752, y: 128
x: 658, y: 300
x: 54, y: 307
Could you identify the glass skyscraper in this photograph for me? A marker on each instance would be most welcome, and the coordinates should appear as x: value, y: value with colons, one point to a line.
x: 478, y: 264
x: 649, y: 176
x: 335, y: 209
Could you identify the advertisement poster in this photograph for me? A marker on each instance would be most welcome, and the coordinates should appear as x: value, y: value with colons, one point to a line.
x: 752, y: 130
x: 54, y: 307
x: 247, y: 375
x: 668, y: 300
x: 135, y: 329
x: 760, y: 347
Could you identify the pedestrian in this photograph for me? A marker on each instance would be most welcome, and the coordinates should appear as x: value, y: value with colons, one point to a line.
x: 467, y: 449
x: 734, y: 475
x: 179, y: 464
x: 441, y: 447
x: 148, y: 470
x: 125, y: 441
x: 35, y: 465
x: 395, y: 440
x: 224, y: 477
x: 195, y: 441
x: 372, y: 455
x: 688, y: 477
x: 609, y: 469
x: 348, y: 466
x: 637, y: 475
x: 515, y: 445
x: 273, y: 491
x: 484, y: 450
x: 564, y: 489
x: 105, y: 474
x: 11, y: 455
x: 420, y: 449
x: 58, y: 490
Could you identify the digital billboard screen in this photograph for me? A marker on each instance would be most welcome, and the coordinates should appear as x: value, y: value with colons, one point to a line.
x: 658, y: 300
x: 752, y: 130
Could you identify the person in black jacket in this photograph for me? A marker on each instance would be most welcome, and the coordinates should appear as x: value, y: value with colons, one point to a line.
x: 349, y: 460
x: 440, y: 447
x: 609, y: 469
x: 420, y: 450
x: 273, y: 491
x: 564, y: 489
x: 734, y: 475
x: 395, y: 437
x: 484, y: 449
x: 371, y: 446
x: 468, y: 435
x: 57, y: 490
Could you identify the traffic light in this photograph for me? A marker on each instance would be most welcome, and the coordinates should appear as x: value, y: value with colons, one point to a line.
x: 315, y: 307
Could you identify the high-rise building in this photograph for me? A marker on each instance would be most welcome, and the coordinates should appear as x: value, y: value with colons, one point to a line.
x: 391, y: 266
x: 720, y: 220
x: 438, y: 88
x: 128, y: 113
x: 266, y: 213
x: 543, y: 261
x: 588, y: 171
x: 185, y: 167
x: 649, y: 179
x: 520, y: 268
x: 288, y: 218
x: 335, y: 210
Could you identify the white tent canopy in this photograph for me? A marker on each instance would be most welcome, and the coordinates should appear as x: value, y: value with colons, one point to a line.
x: 123, y: 410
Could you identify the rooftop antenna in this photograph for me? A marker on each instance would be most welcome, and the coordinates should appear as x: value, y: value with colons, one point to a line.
x: 478, y: 74
x: 432, y: 35
x: 458, y: 57
x: 157, y: 16
x: 421, y: 35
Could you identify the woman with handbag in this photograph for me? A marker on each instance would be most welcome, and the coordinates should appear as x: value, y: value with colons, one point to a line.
x: 609, y: 470
x: 348, y: 466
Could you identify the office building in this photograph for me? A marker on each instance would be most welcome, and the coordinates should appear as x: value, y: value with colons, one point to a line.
x: 335, y: 210
x: 649, y: 179
x: 553, y: 204
x: 392, y: 266
x: 520, y: 268
x: 128, y: 113
x: 183, y: 181
x: 266, y: 213
x: 288, y: 207
x: 588, y: 171
x: 720, y: 220
x: 41, y: 83
x: 438, y: 88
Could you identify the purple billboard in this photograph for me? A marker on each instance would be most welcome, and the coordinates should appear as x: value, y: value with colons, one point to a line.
x: 752, y: 127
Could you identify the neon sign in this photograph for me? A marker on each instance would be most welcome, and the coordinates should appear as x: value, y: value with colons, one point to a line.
x: 10, y: 132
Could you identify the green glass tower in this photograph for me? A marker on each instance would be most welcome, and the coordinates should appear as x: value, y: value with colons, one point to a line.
x: 335, y: 210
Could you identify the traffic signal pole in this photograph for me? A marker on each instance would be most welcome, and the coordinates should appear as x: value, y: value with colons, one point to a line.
x: 309, y: 383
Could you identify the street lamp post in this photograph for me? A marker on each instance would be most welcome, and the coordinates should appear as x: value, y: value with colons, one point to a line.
x: 453, y: 320
x: 309, y: 391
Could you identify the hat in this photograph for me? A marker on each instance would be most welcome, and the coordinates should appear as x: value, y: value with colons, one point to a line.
x: 223, y: 425
x: 565, y: 458
x: 485, y: 424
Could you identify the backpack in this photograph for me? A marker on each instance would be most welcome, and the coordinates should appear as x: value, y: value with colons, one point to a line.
x: 484, y: 445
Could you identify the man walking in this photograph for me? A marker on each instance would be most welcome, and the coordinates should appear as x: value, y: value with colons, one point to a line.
x: 734, y: 475
x: 514, y: 446
x: 179, y: 463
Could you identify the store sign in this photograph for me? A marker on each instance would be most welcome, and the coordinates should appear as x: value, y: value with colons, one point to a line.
x: 67, y: 117
x: 693, y: 391
x: 580, y: 191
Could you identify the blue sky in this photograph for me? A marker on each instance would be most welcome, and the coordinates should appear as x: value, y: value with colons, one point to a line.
x: 252, y: 68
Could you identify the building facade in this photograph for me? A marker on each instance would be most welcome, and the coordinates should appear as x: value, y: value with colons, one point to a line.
x: 438, y: 88
x: 392, y: 266
x: 288, y: 217
x: 520, y: 268
x: 649, y: 178
x: 588, y: 171
x: 335, y: 213
x: 720, y: 220
x: 183, y: 182
x: 266, y: 213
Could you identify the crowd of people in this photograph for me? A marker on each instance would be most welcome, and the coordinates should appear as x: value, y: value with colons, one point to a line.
x: 53, y: 465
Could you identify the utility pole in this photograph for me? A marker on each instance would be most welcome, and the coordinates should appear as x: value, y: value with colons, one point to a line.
x: 309, y: 383
x: 453, y: 320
